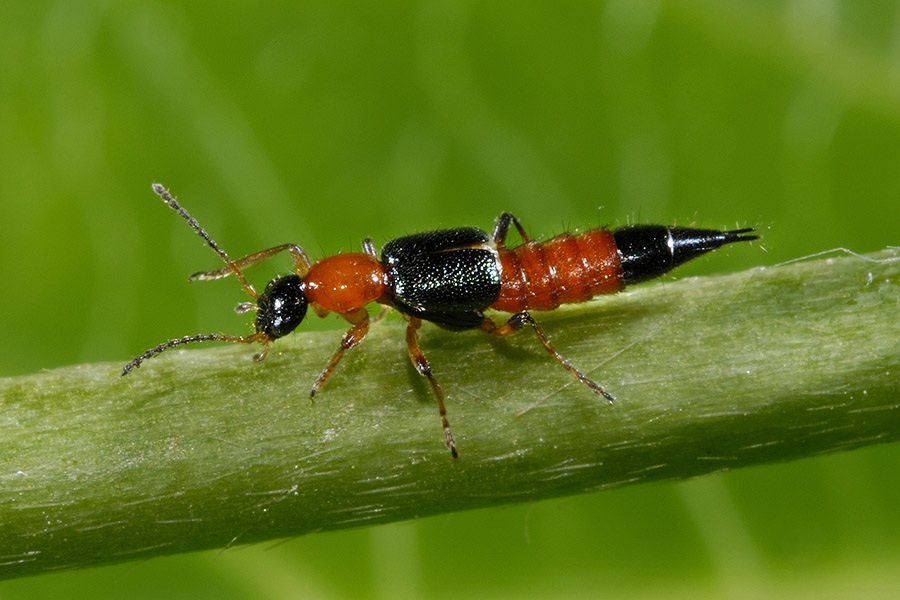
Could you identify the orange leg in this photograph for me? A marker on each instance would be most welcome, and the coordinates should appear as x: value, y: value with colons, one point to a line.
x: 381, y: 314
x: 298, y: 256
x: 517, y: 322
x: 369, y: 248
x: 420, y: 362
x: 351, y: 339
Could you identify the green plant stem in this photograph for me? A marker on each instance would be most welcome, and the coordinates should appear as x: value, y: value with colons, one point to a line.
x: 204, y: 448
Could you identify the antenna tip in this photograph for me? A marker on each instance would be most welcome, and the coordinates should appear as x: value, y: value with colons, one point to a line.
x: 158, y: 188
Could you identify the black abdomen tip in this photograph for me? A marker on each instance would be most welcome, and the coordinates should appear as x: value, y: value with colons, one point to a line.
x: 648, y: 251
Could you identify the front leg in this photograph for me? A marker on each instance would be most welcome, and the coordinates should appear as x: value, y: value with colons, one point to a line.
x: 298, y: 256
x: 350, y: 339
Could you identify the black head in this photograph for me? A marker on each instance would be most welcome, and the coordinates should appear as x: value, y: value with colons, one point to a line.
x: 281, y: 307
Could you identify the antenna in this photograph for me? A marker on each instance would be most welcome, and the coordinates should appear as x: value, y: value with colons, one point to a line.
x: 203, y: 337
x: 173, y: 204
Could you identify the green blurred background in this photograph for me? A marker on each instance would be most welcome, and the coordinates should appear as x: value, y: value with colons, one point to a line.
x: 322, y: 124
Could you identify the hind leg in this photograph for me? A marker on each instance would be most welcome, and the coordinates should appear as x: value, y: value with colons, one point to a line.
x: 517, y: 322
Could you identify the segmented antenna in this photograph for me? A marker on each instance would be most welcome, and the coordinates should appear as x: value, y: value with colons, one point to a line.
x: 203, y: 337
x: 168, y: 199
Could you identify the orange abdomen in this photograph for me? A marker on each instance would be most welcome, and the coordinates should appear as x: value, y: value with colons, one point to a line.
x: 565, y: 269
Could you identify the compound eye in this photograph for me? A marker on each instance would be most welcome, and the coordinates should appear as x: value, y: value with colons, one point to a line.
x: 281, y: 307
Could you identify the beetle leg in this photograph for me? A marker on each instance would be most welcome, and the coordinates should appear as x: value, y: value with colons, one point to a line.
x: 351, y: 339
x: 369, y: 248
x: 381, y: 314
x: 298, y: 256
x: 502, y: 227
x: 420, y: 362
x: 517, y: 322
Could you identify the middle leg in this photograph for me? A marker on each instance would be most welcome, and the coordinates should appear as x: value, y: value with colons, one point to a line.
x: 424, y: 368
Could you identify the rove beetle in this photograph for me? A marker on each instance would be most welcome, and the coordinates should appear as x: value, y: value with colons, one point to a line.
x: 449, y: 277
